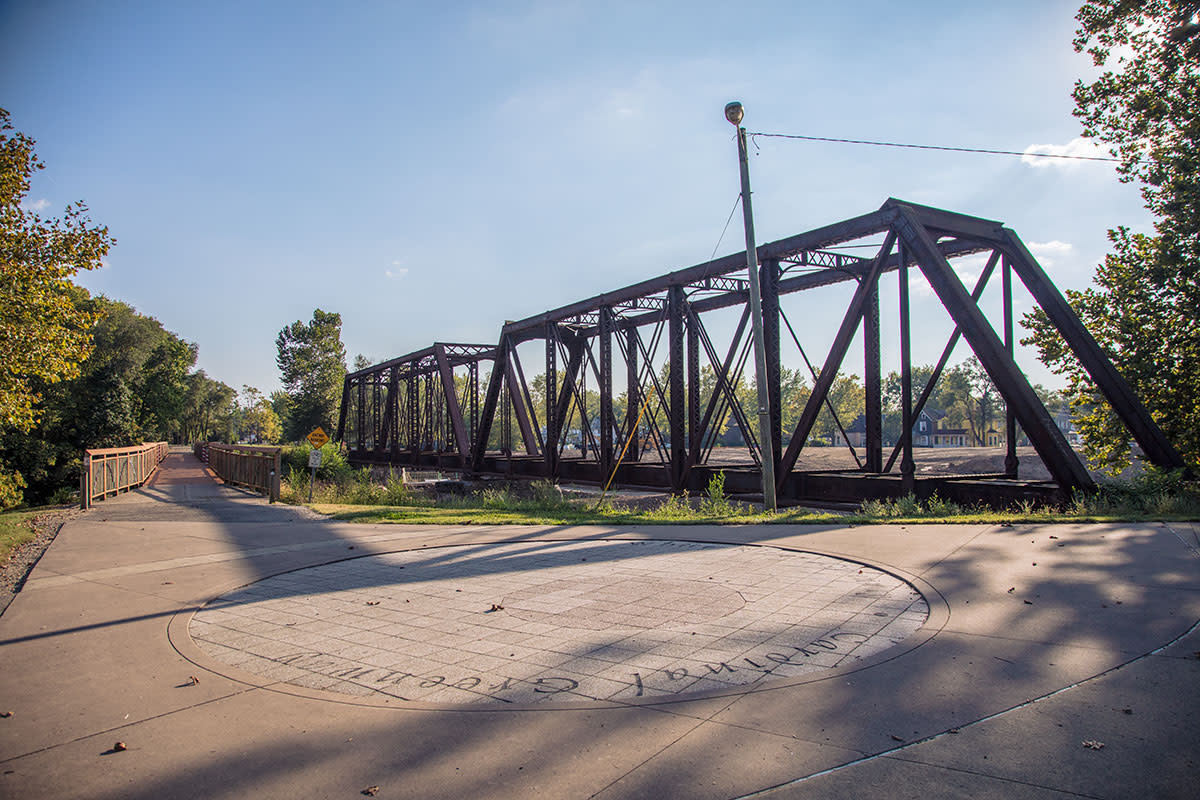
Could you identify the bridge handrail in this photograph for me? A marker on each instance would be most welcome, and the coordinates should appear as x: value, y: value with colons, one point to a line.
x: 112, y: 470
x: 253, y: 466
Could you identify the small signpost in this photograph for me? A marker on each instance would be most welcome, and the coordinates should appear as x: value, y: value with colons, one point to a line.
x: 317, y: 439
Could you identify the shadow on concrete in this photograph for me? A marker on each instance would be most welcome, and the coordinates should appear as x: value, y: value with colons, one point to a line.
x: 1034, y: 609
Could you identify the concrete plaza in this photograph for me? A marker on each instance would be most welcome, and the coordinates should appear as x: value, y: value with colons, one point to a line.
x: 245, y: 650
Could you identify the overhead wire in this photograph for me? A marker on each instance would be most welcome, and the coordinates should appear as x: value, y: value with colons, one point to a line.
x: 930, y: 147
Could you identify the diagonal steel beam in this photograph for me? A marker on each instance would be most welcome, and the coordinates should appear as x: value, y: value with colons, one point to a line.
x: 919, y: 406
x: 1047, y: 439
x: 1108, y: 379
x: 837, y: 352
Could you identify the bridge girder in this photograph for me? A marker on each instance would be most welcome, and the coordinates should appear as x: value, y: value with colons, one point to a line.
x: 429, y: 408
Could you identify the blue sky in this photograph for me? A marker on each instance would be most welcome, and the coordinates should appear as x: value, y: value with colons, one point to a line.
x: 430, y: 171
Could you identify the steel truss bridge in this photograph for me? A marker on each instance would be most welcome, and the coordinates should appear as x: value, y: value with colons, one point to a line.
x: 644, y: 423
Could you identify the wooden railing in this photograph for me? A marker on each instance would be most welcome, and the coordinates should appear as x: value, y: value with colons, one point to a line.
x: 252, y: 466
x: 112, y: 470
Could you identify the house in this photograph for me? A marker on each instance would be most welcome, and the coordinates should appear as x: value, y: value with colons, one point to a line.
x: 856, y: 434
x: 1064, y: 422
x: 931, y: 430
x: 925, y: 428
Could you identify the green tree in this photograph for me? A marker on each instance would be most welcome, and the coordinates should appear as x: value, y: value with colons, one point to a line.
x: 209, y: 410
x: 44, y: 334
x: 1144, y: 305
x: 312, y: 362
x: 257, y: 420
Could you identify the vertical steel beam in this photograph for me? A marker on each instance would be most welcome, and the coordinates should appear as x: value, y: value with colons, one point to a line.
x: 908, y: 466
x: 833, y: 361
x: 693, y: 383
x: 414, y: 415
x: 769, y: 284
x: 575, y: 352
x: 1108, y: 380
x: 917, y: 407
x: 1057, y: 455
x: 487, y: 413
x: 550, y: 452
x: 633, y: 394
x: 676, y: 314
x: 362, y: 413
x: 341, y: 428
x: 873, y: 383
x: 1011, y: 463
x: 606, y: 390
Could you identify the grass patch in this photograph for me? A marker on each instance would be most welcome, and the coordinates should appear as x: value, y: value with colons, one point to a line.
x: 359, y: 498
x: 16, y: 528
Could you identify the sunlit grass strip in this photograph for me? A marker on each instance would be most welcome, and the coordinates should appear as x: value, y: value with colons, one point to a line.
x: 16, y: 528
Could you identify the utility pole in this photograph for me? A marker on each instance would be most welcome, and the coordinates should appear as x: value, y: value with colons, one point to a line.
x: 734, y: 113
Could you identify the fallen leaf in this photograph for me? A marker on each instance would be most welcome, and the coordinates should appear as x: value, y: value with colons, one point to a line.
x: 194, y: 679
x: 372, y: 602
x: 494, y: 608
x: 1012, y: 589
x: 119, y: 746
x: 5, y: 714
x: 371, y: 791
x: 1092, y: 744
x: 896, y: 738
x: 1028, y: 602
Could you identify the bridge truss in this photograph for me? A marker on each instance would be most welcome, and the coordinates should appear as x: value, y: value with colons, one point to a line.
x: 665, y: 370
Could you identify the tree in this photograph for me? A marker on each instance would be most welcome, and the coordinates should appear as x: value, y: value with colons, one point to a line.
x: 132, y: 388
x: 1144, y: 306
x: 257, y: 420
x: 209, y: 410
x: 312, y: 361
x: 44, y: 334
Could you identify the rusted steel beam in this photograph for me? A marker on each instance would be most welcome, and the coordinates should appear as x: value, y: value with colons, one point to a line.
x: 519, y: 411
x: 500, y: 368
x: 1108, y: 379
x: 1057, y: 455
x: 676, y: 316
x: 453, y: 408
x: 633, y: 396
x: 769, y: 276
x: 872, y: 383
x: 980, y: 285
x: 606, y: 389
x: 833, y: 361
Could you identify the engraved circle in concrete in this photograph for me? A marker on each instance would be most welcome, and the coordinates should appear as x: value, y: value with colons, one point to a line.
x: 526, y: 623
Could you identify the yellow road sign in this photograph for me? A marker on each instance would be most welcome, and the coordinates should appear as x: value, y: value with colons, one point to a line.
x: 318, y: 438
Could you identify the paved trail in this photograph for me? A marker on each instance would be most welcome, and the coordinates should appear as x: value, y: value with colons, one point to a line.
x: 241, y: 649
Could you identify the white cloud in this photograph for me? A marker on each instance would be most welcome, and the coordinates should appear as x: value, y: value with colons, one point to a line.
x: 1049, y: 253
x: 396, y: 270
x: 37, y: 205
x: 1078, y: 146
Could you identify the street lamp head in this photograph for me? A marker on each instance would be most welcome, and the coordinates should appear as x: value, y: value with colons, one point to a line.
x: 734, y: 112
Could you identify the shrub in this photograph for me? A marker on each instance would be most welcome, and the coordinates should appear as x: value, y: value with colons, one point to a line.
x: 716, y: 502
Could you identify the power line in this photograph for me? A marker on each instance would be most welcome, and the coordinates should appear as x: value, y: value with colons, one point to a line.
x: 736, y: 203
x: 932, y: 147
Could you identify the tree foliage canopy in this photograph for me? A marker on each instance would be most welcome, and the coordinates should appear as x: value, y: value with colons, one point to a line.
x: 44, y: 333
x: 1144, y: 306
x: 312, y: 364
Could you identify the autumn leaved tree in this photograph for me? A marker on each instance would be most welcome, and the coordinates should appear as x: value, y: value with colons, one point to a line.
x: 44, y: 333
x: 1144, y: 306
